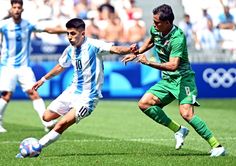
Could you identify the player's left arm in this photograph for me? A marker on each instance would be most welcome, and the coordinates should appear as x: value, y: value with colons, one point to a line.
x: 120, y: 50
x: 136, y: 50
x: 55, y: 71
x: 55, y: 30
x: 177, y: 46
x: 171, y: 65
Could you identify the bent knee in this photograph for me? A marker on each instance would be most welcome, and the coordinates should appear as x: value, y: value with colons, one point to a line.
x: 46, y: 118
x: 186, y: 117
x: 6, y: 96
x: 33, y: 95
x: 186, y: 114
x: 147, y: 101
x: 49, y: 115
x: 143, y: 105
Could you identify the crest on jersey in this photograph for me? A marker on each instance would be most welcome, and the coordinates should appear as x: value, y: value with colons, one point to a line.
x: 166, y: 42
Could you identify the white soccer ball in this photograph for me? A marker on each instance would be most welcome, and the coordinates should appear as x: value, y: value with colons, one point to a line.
x: 30, y: 147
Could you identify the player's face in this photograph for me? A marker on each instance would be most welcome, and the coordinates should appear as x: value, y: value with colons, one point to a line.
x: 75, y: 36
x: 16, y: 11
x: 161, y: 26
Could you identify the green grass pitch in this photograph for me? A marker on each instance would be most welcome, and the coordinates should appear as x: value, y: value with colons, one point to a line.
x: 117, y: 133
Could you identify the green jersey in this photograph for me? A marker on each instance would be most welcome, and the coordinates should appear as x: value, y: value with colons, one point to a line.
x: 172, y: 45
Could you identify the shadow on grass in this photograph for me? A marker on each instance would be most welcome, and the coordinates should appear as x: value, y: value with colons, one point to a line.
x: 73, y: 144
x: 133, y: 154
x: 114, y: 147
x: 17, y: 132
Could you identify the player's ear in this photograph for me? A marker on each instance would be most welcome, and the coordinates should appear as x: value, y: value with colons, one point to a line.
x: 83, y: 33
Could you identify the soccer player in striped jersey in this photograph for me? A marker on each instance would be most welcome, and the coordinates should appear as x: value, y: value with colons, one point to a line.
x: 178, y: 80
x: 81, y: 97
x: 16, y: 33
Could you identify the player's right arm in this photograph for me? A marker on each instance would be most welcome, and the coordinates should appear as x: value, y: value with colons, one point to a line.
x: 55, y: 30
x: 135, y: 50
x: 148, y: 44
x: 55, y: 71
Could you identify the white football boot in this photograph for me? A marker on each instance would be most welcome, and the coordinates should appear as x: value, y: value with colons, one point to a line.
x: 19, y: 156
x: 2, y: 129
x: 218, y: 151
x: 180, y: 136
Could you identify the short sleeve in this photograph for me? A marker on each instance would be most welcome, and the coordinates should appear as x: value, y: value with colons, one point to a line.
x: 65, y: 60
x: 2, y: 23
x: 178, y: 45
x: 38, y: 27
x: 102, y: 46
x: 152, y: 32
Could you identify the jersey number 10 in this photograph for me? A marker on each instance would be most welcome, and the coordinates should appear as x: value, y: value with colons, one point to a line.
x: 78, y: 64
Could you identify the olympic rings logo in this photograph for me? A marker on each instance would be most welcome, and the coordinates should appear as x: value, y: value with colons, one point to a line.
x: 220, y: 77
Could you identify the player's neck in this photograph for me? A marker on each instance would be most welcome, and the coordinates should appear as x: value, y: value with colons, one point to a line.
x: 167, y: 31
x: 17, y: 21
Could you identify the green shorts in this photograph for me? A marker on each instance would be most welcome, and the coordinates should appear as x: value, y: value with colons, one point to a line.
x: 181, y: 88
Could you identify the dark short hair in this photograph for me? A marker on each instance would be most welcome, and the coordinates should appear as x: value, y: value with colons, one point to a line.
x: 76, y: 23
x: 107, y: 6
x: 17, y: 1
x: 165, y: 13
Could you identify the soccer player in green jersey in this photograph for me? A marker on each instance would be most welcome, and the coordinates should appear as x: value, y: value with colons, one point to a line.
x: 178, y: 79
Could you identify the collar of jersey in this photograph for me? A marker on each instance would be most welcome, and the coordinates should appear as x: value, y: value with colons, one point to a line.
x: 166, y: 36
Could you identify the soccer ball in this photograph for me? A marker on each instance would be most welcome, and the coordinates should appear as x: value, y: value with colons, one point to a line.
x: 30, y: 147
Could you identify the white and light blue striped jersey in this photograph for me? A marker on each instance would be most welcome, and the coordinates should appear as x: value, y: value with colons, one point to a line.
x: 16, y: 43
x: 88, y: 66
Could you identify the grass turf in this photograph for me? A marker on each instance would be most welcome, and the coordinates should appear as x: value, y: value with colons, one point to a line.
x: 117, y: 133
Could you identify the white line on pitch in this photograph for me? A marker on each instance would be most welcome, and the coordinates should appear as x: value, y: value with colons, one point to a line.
x: 128, y: 139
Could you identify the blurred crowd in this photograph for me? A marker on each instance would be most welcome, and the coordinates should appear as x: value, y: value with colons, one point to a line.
x: 118, y: 21
x: 210, y: 25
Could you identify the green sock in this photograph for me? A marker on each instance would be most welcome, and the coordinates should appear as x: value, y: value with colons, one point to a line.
x: 174, y: 126
x: 213, y: 142
x: 201, y: 128
x: 158, y: 115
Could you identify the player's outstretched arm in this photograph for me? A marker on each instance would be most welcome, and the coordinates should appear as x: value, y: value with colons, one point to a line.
x: 172, y: 65
x: 148, y: 44
x: 136, y: 50
x: 38, y: 84
x: 120, y: 50
x: 128, y: 58
x: 55, y: 30
x: 55, y: 71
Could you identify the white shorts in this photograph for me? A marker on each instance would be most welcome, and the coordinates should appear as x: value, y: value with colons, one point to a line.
x: 68, y: 100
x: 10, y: 76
